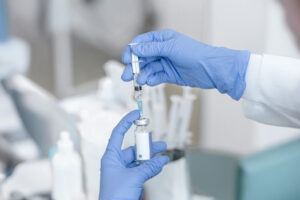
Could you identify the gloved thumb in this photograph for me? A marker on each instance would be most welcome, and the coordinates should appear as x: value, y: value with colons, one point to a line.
x: 154, y: 166
x: 150, y: 49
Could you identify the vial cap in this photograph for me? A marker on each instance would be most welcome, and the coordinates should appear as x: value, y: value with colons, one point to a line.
x: 65, y: 143
x: 142, y: 122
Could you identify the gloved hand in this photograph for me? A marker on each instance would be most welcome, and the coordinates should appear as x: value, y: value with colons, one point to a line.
x: 175, y: 58
x: 121, y: 178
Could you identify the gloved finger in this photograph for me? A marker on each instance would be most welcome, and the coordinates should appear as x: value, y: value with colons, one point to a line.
x: 129, y: 153
x: 142, y: 196
x: 158, y: 147
x: 153, y: 167
x: 126, y: 57
x: 116, y: 139
x: 157, y: 78
x: 127, y: 73
x: 146, y: 61
x: 155, y: 36
x: 151, y: 49
x: 150, y: 69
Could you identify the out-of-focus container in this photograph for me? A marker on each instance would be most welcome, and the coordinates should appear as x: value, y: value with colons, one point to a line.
x: 172, y: 183
x: 95, y: 131
x: 67, y: 171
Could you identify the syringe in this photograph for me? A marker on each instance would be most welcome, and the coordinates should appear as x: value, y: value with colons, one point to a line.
x: 138, y: 89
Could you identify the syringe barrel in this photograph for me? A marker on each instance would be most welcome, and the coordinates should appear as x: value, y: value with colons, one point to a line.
x: 135, y: 63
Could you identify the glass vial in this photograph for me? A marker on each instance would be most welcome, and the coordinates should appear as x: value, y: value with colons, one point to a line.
x: 143, y: 140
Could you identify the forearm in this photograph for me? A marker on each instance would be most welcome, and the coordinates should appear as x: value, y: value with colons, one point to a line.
x: 272, y: 94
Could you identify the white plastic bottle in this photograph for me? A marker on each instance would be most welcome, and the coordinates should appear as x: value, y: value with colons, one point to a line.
x: 67, y: 171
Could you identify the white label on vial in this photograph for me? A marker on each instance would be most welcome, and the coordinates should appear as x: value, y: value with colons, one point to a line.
x: 143, y: 146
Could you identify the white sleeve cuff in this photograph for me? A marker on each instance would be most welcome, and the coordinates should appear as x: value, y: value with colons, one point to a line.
x: 252, y: 77
x: 272, y: 88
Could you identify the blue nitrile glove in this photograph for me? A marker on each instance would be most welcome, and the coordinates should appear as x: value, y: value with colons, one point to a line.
x: 121, y: 178
x: 175, y: 58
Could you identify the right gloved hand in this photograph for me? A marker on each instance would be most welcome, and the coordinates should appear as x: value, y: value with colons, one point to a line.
x: 175, y: 58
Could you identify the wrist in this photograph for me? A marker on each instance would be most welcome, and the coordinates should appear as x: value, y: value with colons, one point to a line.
x: 241, y: 64
x: 121, y: 194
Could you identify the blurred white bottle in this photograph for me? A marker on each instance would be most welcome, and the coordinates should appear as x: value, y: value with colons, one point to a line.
x: 67, y: 171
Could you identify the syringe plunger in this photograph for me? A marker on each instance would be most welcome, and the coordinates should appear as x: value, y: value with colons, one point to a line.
x: 135, y: 63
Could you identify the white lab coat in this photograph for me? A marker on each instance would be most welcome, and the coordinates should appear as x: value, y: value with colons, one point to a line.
x: 272, y: 94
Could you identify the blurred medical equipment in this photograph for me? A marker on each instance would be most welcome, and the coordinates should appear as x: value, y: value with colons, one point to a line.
x: 59, y: 19
x: 143, y: 140
x: 174, y: 128
x: 12, y: 133
x: 112, y: 90
x: 97, y: 115
x: 14, y: 52
x: 3, y: 21
x: 104, y: 23
x: 185, y: 118
x: 41, y: 115
x: 95, y: 23
x: 173, y: 120
x: 16, y: 147
x: 271, y: 174
x: 30, y: 180
x: 159, y: 107
x: 267, y: 175
x: 67, y: 171
x: 14, y: 59
x: 168, y: 186
x: 95, y: 126
x: 172, y: 183
x: 2, y: 178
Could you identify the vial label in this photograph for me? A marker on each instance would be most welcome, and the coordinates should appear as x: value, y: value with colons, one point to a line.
x: 143, y: 146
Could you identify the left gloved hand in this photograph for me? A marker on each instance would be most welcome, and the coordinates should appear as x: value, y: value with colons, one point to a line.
x: 121, y: 178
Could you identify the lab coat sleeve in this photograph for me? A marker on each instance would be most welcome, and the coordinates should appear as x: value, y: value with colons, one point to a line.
x: 272, y: 94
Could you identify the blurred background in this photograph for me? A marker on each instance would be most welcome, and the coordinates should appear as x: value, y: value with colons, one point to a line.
x: 60, y: 68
